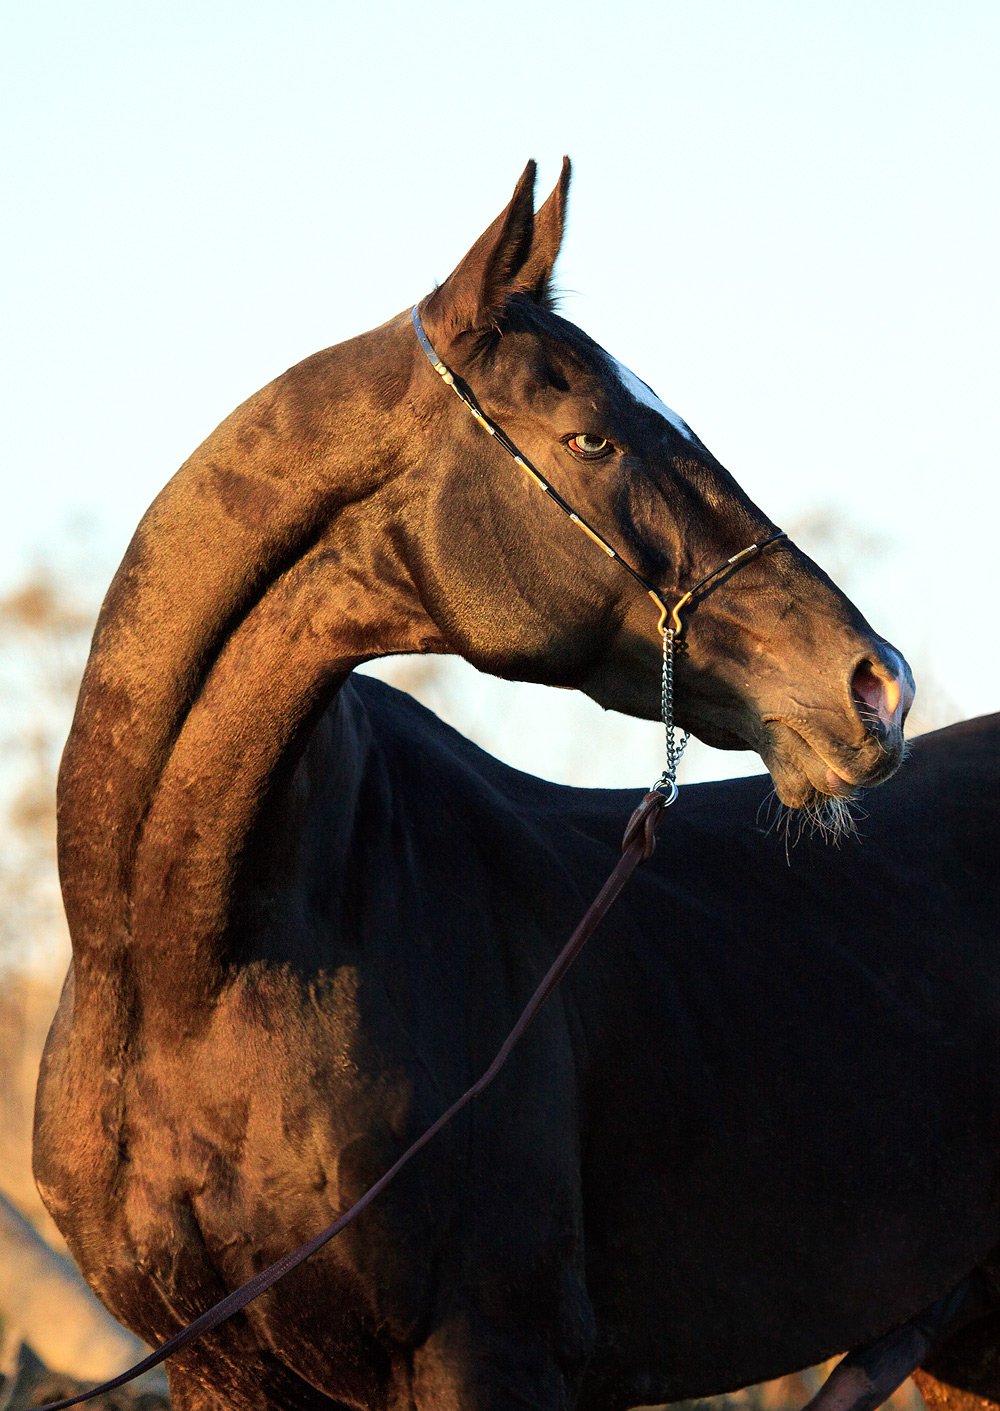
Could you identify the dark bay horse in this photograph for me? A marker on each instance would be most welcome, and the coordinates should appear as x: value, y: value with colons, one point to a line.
x: 756, y: 1125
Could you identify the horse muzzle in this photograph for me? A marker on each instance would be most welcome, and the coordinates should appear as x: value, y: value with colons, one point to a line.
x: 815, y: 751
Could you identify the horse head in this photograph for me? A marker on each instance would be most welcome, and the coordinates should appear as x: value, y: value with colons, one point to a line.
x: 774, y: 658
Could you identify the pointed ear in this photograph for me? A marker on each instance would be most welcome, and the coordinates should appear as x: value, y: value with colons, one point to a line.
x: 472, y: 298
x: 535, y: 278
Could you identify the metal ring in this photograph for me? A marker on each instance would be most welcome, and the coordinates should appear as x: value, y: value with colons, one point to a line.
x: 667, y: 789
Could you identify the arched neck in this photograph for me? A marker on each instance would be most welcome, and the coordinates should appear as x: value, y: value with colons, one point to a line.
x: 256, y: 582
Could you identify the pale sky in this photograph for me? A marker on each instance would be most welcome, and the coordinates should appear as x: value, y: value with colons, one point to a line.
x: 784, y: 217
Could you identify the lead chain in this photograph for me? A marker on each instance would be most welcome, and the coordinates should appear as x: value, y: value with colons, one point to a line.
x: 667, y: 782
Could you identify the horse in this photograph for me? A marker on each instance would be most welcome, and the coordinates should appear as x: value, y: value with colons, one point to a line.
x: 756, y: 1125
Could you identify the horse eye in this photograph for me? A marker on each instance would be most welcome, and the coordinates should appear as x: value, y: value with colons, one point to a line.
x: 589, y: 448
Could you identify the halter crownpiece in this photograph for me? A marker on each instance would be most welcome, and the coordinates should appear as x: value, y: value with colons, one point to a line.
x: 670, y: 625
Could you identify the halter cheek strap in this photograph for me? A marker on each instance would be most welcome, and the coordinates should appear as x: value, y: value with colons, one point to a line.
x: 669, y: 626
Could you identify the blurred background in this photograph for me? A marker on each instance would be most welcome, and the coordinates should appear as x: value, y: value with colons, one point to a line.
x: 784, y: 218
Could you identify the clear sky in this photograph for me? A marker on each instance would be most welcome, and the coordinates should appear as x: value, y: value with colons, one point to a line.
x: 784, y: 217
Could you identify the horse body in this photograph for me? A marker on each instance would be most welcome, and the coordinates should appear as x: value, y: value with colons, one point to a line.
x: 757, y: 1122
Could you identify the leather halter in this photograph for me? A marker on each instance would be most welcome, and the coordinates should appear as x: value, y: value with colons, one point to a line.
x: 502, y: 439
x: 670, y: 626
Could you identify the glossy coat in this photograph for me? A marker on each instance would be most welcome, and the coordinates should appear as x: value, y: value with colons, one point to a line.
x: 757, y: 1124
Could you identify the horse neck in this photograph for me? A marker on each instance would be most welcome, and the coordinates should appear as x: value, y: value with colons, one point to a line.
x: 246, y: 597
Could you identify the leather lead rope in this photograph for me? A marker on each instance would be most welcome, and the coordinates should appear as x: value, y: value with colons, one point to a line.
x: 637, y: 846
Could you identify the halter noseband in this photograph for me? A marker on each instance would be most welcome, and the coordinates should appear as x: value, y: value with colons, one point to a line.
x: 669, y: 626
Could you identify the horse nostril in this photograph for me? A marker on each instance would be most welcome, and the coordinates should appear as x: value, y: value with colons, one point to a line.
x: 877, y: 698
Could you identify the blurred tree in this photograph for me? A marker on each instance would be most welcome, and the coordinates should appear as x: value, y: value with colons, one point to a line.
x: 44, y: 631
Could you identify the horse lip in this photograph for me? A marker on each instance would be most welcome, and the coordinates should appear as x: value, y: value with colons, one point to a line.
x: 835, y: 772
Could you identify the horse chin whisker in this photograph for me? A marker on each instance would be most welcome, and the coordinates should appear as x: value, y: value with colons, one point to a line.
x: 769, y: 810
x: 831, y: 819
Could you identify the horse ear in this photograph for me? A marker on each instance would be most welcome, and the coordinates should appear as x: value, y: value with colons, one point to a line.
x: 535, y: 278
x: 473, y: 296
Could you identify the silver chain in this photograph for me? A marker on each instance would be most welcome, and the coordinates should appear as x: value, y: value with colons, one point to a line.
x: 667, y: 782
